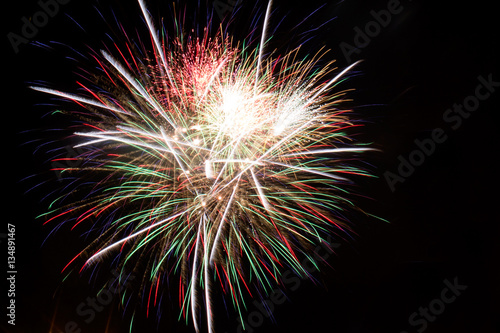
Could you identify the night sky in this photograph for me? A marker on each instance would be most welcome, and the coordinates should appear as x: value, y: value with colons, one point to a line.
x: 420, y: 64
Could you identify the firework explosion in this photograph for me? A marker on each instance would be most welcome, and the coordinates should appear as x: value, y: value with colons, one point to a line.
x: 212, y: 163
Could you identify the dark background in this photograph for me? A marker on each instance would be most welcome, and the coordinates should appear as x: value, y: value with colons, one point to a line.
x: 443, y: 218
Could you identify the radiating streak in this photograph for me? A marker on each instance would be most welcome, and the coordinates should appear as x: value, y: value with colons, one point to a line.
x: 207, y: 280
x: 165, y: 139
x: 137, y: 86
x: 159, y: 137
x: 262, y: 41
x: 89, y: 143
x: 126, y: 141
x: 79, y: 99
x: 99, y: 253
x: 209, y: 171
x: 212, y: 78
x: 326, y: 151
x: 260, y: 191
x: 324, y: 174
x: 194, y: 272
x: 332, y: 81
x: 237, y: 161
x: 221, y: 224
x: 181, y: 164
x: 154, y: 34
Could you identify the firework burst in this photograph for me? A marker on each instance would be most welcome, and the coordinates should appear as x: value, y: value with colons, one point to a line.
x: 212, y: 162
